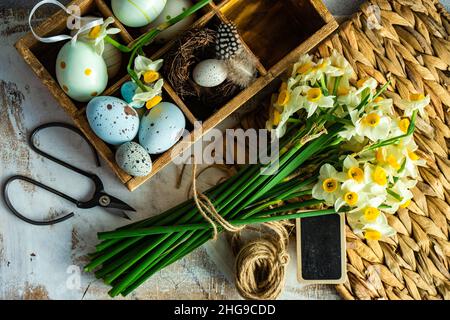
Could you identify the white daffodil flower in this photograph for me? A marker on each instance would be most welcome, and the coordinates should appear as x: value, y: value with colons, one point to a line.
x: 367, y: 83
x: 96, y: 35
x: 348, y: 97
x: 289, y: 102
x: 374, y: 230
x: 351, y: 195
x: 304, y: 64
x: 391, y: 159
x: 148, y: 68
x: 342, y: 68
x: 141, y: 97
x: 399, y: 127
x: 400, y: 195
x: 417, y: 102
x: 328, y: 186
x: 413, y: 161
x: 314, y: 98
x: 386, y: 106
x: 374, y: 126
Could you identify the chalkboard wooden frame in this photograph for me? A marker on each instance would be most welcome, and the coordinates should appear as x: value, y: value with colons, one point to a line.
x: 301, y: 277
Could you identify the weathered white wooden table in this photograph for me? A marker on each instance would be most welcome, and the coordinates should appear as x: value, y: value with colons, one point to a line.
x: 46, y: 262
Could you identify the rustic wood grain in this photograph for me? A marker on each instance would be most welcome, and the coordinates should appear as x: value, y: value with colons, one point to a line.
x: 256, y: 21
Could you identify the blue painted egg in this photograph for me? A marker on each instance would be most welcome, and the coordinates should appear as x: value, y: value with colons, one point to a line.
x: 161, y: 128
x: 134, y: 159
x: 127, y: 90
x: 112, y: 119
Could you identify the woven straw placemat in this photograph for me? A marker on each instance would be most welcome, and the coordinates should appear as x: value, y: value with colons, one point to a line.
x: 408, y: 43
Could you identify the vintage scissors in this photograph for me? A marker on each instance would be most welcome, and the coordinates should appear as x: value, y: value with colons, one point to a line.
x: 99, y: 198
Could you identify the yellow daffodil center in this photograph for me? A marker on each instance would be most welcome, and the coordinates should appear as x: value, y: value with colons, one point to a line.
x: 276, y: 117
x: 330, y: 185
x: 371, y: 120
x: 406, y: 204
x: 372, y: 234
x: 304, y: 68
x: 314, y: 94
x: 351, y: 198
x: 356, y: 174
x: 371, y: 213
x: 392, y: 161
x: 378, y: 99
x: 151, y: 76
x: 416, y: 97
x: 379, y: 155
x: 153, y: 102
x: 343, y: 91
x: 284, y: 86
x: 413, y: 156
x: 95, y: 32
x: 283, y: 98
x: 404, y: 125
x: 320, y: 66
x: 379, y: 176
x: 361, y: 82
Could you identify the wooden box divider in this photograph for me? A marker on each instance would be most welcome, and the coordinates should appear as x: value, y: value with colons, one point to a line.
x: 258, y: 22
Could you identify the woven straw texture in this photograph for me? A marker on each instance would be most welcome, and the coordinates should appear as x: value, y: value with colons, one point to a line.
x: 410, y: 47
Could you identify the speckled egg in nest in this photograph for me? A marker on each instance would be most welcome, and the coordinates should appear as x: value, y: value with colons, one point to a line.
x: 195, y: 46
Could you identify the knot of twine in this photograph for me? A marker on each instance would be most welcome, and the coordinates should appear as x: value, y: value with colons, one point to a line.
x: 207, y: 209
x: 261, y: 264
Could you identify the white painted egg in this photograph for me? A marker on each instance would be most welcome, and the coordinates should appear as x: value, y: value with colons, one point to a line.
x: 161, y: 128
x: 172, y: 9
x: 111, y: 55
x: 80, y: 71
x: 210, y: 73
x: 137, y: 13
x: 132, y: 158
x: 112, y: 119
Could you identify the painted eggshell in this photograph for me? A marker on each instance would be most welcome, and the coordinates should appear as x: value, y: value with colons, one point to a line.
x: 172, y: 9
x: 111, y: 55
x: 80, y: 71
x: 210, y: 73
x: 137, y: 13
x: 112, y: 119
x: 133, y: 159
x: 161, y: 128
x: 127, y: 90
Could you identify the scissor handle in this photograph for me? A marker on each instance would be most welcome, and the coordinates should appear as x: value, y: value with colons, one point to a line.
x: 43, y: 186
x: 98, y: 183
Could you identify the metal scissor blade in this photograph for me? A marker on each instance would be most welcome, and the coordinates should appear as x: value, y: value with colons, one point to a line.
x: 117, y: 206
x: 117, y: 212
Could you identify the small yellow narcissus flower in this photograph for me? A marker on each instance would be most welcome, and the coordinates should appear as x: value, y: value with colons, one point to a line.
x: 315, y: 98
x: 351, y: 198
x: 283, y: 98
x: 375, y: 126
x: 153, y: 102
x: 328, y: 186
x: 95, y: 32
x: 417, y: 101
x: 151, y: 76
x: 370, y: 234
x: 371, y: 214
x: 379, y: 176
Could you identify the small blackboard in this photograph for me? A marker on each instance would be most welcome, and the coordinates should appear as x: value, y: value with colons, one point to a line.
x: 321, y: 249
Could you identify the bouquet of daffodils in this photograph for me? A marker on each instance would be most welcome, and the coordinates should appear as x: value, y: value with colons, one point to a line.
x: 342, y: 149
x: 377, y: 162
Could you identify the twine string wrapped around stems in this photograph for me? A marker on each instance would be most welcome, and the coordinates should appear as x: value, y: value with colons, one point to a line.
x: 260, y: 264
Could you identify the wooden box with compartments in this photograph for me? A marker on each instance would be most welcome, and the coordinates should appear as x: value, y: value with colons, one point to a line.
x: 273, y: 33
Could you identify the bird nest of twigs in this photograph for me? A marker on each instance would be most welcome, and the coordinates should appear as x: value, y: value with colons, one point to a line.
x: 195, y: 46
